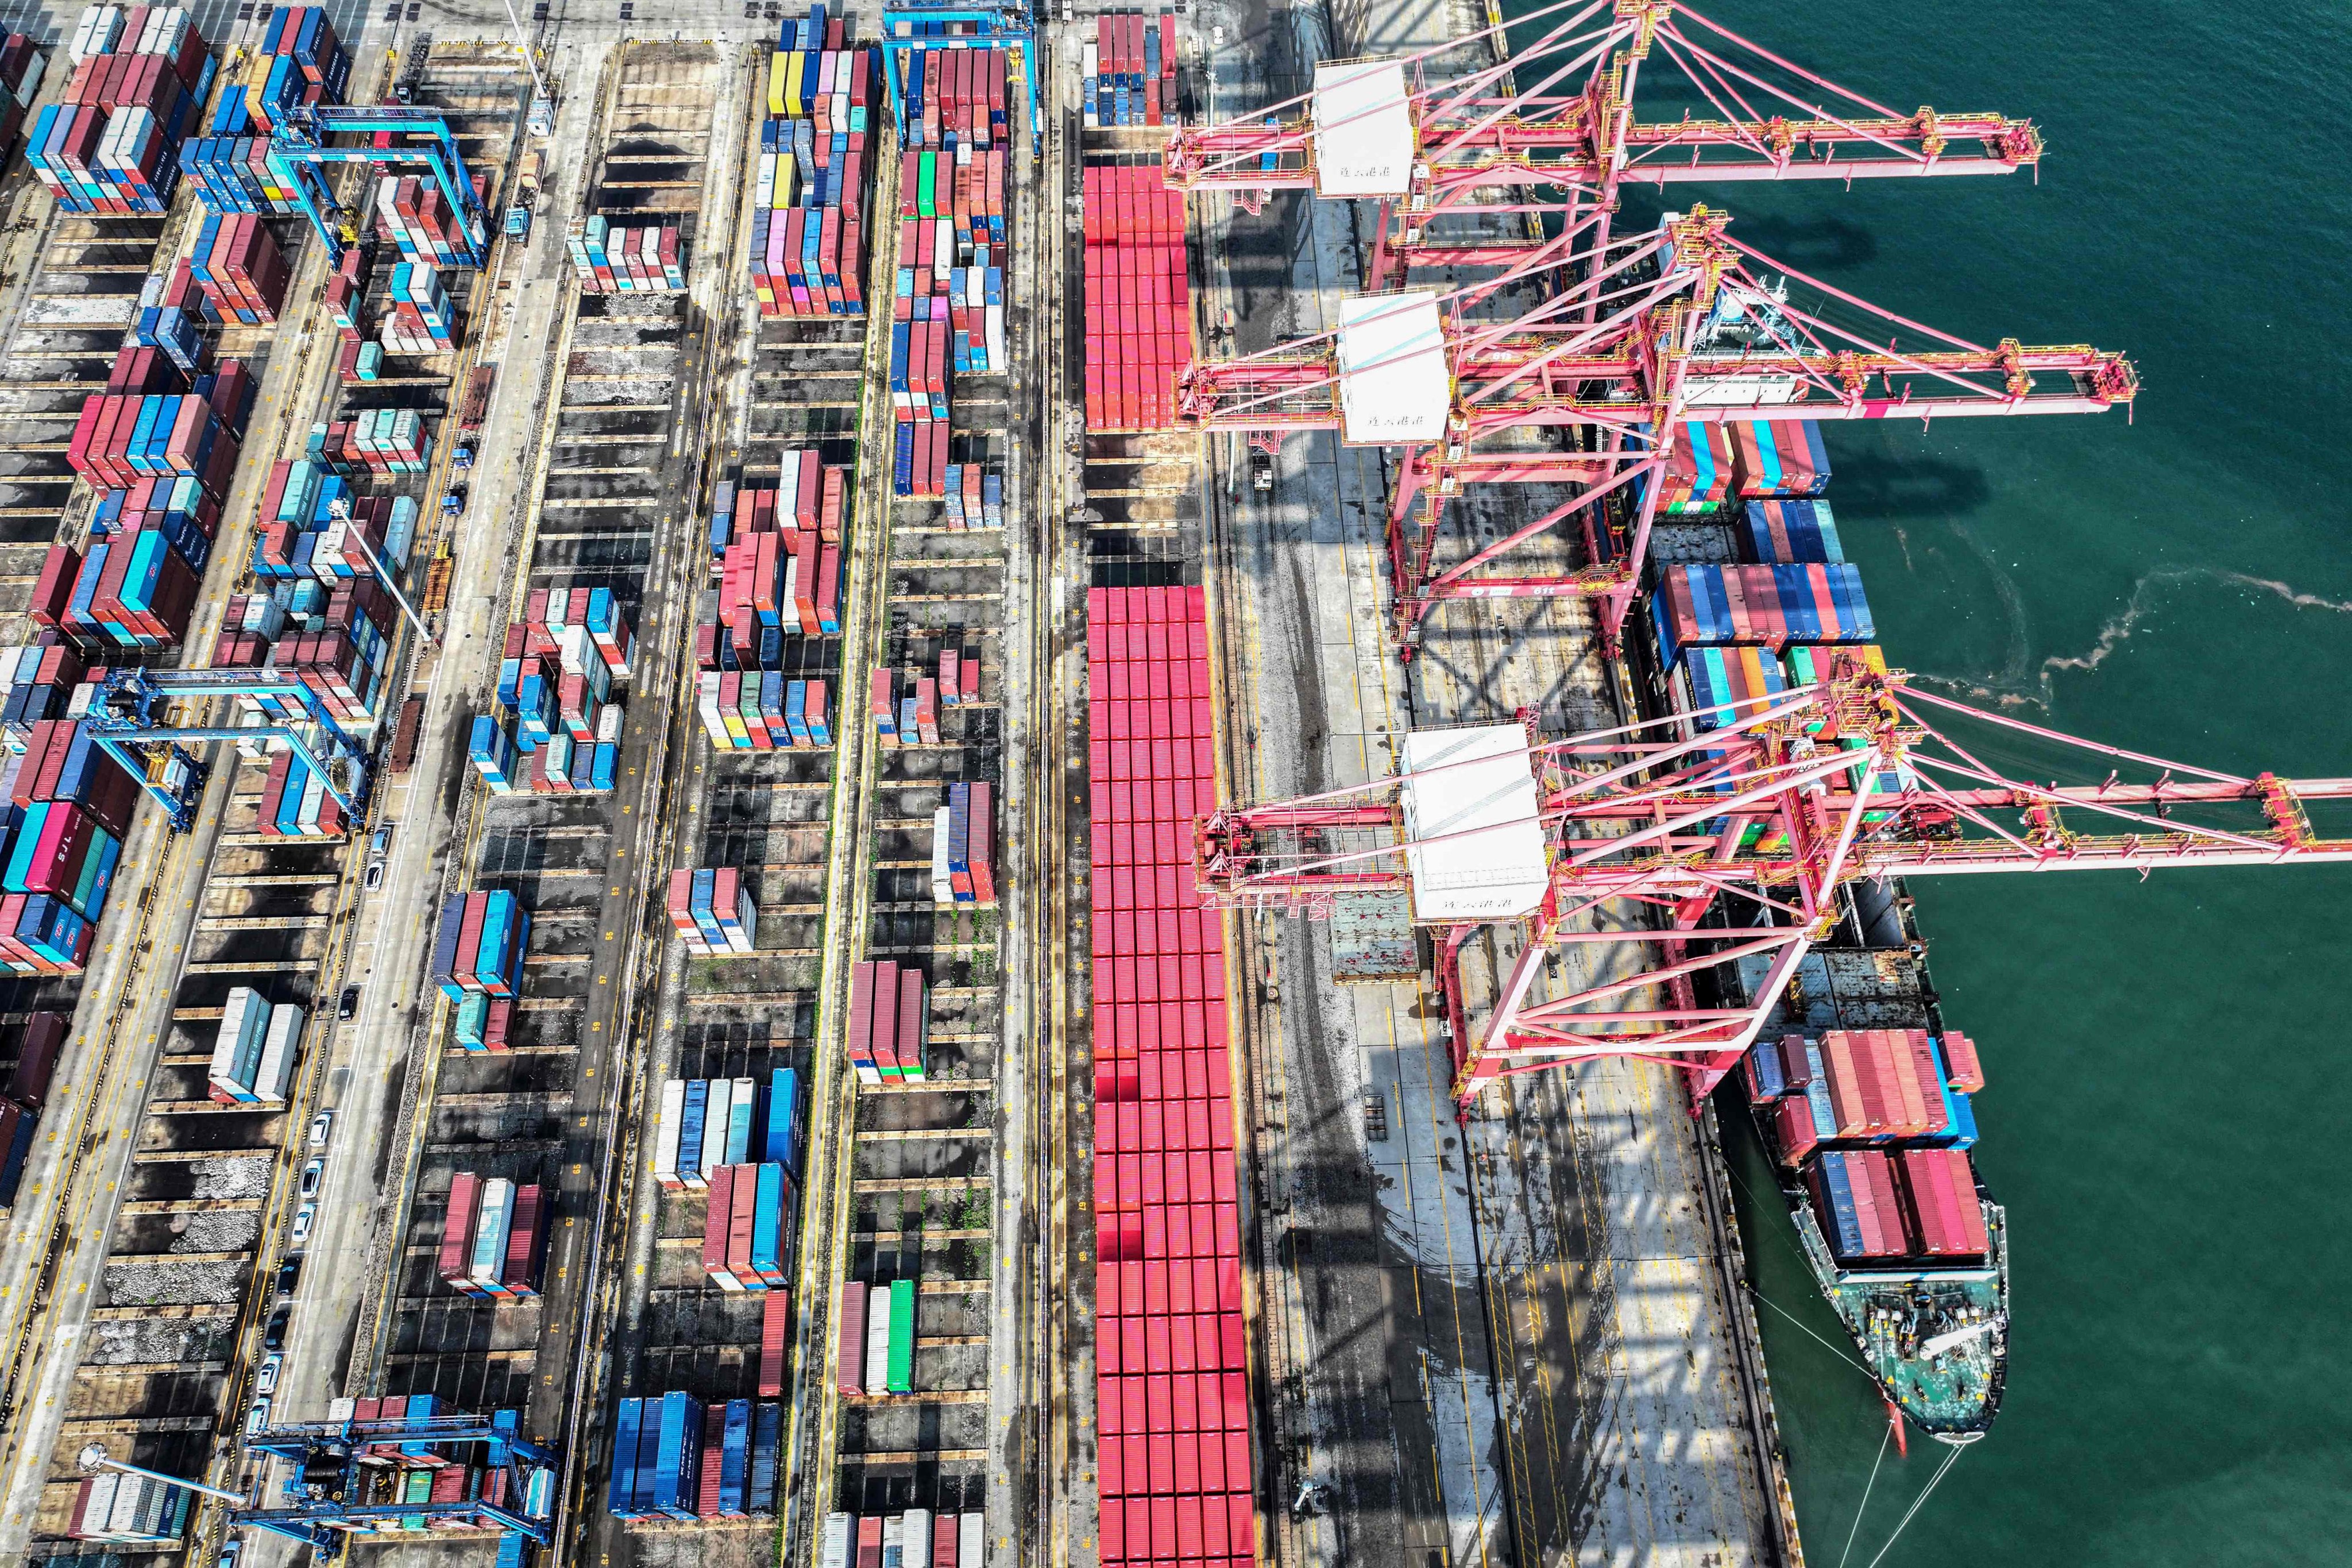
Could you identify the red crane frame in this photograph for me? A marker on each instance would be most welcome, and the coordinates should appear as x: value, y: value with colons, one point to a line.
x: 1789, y: 799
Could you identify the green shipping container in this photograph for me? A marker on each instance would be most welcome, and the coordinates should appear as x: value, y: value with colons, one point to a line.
x: 926, y: 194
x: 901, y: 1378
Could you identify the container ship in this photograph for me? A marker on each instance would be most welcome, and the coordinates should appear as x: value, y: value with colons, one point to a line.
x: 1857, y: 1087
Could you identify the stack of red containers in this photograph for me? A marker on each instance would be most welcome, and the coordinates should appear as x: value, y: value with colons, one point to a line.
x: 1138, y: 296
x: 241, y: 268
x: 1884, y: 1083
x: 775, y: 1329
x: 1172, y: 1359
x: 194, y: 443
x: 1944, y: 1212
x: 60, y: 765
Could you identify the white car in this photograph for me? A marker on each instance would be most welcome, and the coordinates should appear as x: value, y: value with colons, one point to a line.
x: 304, y: 1218
x: 258, y: 1417
x: 265, y: 1380
x: 312, y: 1174
x: 321, y: 1125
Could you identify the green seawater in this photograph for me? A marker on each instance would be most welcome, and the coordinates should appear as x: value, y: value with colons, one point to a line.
x: 2169, y: 1114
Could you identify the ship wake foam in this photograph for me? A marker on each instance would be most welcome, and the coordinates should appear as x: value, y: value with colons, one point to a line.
x: 2022, y: 684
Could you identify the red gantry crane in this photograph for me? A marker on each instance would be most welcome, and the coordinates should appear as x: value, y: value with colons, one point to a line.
x: 1594, y: 387
x: 1772, y: 810
x: 1430, y: 150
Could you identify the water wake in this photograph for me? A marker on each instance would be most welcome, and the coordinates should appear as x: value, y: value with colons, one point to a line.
x: 2016, y: 685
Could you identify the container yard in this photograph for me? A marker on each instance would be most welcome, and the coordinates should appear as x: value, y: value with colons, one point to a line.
x: 771, y: 795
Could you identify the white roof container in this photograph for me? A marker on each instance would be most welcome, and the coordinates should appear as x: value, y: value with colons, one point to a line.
x: 1364, y: 129
x: 1396, y: 382
x: 1473, y: 791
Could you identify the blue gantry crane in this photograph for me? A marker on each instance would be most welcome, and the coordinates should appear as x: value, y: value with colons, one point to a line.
x: 907, y: 27
x: 309, y: 140
x: 127, y: 719
x: 347, y: 1476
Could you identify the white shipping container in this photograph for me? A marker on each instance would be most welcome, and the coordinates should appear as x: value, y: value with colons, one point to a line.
x: 100, y: 1505
x: 917, y: 1552
x: 743, y: 1110
x: 894, y: 1541
x: 237, y: 1015
x: 943, y: 882
x: 834, y: 1545
x: 719, y: 1099
x: 971, y: 1541
x: 278, y: 1053
x: 490, y: 1231
x: 672, y: 1112
x: 878, y: 1338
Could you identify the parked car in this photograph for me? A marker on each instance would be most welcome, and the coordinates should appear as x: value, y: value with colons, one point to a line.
x: 380, y: 845
x: 265, y: 1380
x: 289, y: 1276
x: 321, y: 1125
x: 273, y: 1336
x: 258, y: 1417
x: 304, y: 1218
x: 374, y: 878
x: 347, y: 1005
x: 312, y: 1174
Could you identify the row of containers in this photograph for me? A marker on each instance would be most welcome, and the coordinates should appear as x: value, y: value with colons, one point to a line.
x: 915, y: 1539
x: 964, y: 847
x: 947, y: 302
x: 561, y: 765
x: 295, y: 802
x: 23, y: 65
x: 712, y: 911
x: 761, y: 710
x: 480, y: 945
x: 69, y: 809
x: 1713, y: 464
x: 129, y: 1510
x: 239, y: 268
x: 161, y: 445
x: 418, y: 317
x: 889, y: 1024
x: 414, y: 217
x: 255, y: 1050
x: 706, y: 1124
x: 876, y: 1352
x: 1128, y: 71
x: 1139, y: 295
x: 39, y: 1040
x: 975, y: 496
x: 776, y: 558
x: 1754, y: 596
x: 1880, y: 1123
x: 559, y: 673
x: 808, y: 236
x: 1170, y: 1360
x: 112, y: 142
x: 626, y: 259
x: 676, y: 1457
x: 905, y: 707
x: 299, y: 64
x: 748, y: 1227
x: 494, y: 1237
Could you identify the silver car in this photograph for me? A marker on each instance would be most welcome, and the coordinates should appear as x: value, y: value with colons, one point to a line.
x: 265, y: 1380
x: 304, y: 1218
